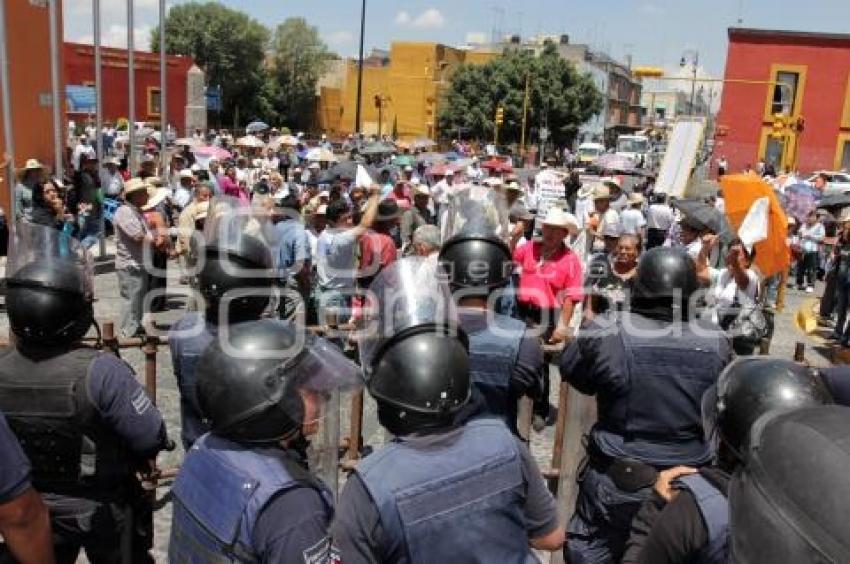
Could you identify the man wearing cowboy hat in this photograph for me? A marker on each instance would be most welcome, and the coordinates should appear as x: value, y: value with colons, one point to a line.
x: 111, y: 181
x: 147, y: 166
x: 132, y: 234
x: 617, y: 197
x: 182, y: 195
x: 416, y: 216
x: 31, y: 176
x: 83, y: 148
x: 632, y: 221
x: 584, y: 207
x: 607, y: 219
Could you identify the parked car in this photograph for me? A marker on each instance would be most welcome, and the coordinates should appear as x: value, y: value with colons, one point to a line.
x: 837, y: 182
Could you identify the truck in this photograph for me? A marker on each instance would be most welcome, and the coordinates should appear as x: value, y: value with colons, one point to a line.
x: 634, y: 147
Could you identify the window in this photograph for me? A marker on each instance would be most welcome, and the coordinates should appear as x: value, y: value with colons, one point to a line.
x: 842, y: 152
x: 845, y: 119
x: 785, y: 93
x: 154, y: 101
x: 772, y: 149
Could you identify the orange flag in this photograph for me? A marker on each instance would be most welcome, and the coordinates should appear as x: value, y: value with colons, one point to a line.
x: 740, y: 191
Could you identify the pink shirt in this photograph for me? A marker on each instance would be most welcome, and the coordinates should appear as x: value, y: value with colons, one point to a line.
x: 547, y: 284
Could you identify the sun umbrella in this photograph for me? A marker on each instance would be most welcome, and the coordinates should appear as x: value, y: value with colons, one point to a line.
x: 452, y: 155
x: 706, y: 214
x: 614, y: 162
x: 440, y: 169
x: 740, y: 191
x: 250, y: 141
x: 212, y: 151
x: 799, y: 200
x: 422, y: 143
x: 404, y: 160
x: 834, y: 201
x: 320, y: 154
x: 402, y: 145
x: 347, y: 170
x: 187, y: 142
x: 497, y: 165
x: 377, y: 148
x: 256, y: 127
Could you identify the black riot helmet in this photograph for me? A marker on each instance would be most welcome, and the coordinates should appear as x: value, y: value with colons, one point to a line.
x: 49, y: 296
x: 253, y: 378
x: 236, y: 274
x: 666, y: 277
x: 413, y: 353
x: 749, y: 388
x: 476, y: 260
x: 788, y: 503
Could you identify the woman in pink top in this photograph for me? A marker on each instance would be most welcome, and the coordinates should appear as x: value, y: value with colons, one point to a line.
x: 230, y: 186
x: 550, y: 276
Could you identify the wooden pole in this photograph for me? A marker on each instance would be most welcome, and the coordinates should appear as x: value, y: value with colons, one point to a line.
x: 355, y: 431
x: 560, y: 430
x: 150, y: 348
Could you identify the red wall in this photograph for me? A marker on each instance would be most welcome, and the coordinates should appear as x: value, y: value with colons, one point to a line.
x: 79, y: 70
x: 742, y: 106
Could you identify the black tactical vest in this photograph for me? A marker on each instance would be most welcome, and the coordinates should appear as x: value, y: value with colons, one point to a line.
x: 47, y: 404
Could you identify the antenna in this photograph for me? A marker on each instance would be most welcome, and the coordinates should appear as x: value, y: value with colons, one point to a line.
x: 740, y: 12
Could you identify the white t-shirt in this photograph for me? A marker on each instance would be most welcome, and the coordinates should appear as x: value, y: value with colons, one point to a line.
x: 659, y: 216
x: 725, y: 289
x: 584, y: 207
x: 336, y: 256
x: 631, y: 222
x: 609, y: 225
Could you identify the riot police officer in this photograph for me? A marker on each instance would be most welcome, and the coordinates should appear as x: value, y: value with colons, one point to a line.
x: 24, y: 521
x: 244, y: 492
x: 648, y: 369
x: 81, y: 417
x: 505, y: 361
x: 442, y: 490
x: 788, y: 503
x: 235, y: 280
x: 694, y: 525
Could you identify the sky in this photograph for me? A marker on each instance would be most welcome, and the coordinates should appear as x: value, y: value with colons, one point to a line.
x: 653, y: 32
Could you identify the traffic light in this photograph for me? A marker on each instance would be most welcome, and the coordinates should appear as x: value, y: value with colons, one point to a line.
x: 648, y: 72
x: 500, y: 115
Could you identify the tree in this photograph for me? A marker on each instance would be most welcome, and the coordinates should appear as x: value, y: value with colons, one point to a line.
x: 560, y: 98
x: 300, y: 59
x: 230, y: 46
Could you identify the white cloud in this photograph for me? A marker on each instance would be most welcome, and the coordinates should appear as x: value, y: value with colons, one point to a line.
x: 429, y: 19
x: 341, y: 37
x: 476, y: 37
x: 116, y: 36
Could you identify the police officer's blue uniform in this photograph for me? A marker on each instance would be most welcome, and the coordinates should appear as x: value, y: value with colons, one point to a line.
x: 220, y: 494
x: 85, y: 423
x: 648, y: 377
x: 504, y: 363
x: 462, y: 502
x: 714, y: 509
x: 187, y: 339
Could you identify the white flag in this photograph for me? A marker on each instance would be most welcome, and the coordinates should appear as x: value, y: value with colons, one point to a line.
x: 754, y: 227
x: 362, y: 178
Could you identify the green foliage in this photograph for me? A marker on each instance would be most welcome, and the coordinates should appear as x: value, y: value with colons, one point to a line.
x: 559, y: 97
x: 228, y: 45
x: 300, y: 58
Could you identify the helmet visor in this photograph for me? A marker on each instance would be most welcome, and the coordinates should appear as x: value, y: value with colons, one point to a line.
x: 57, y: 251
x: 239, y: 230
x: 478, y: 210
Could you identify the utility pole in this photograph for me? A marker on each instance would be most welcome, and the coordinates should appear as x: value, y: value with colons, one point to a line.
x: 56, y: 88
x: 524, y: 116
x: 98, y: 90
x: 695, y: 64
x: 131, y: 96
x: 8, y: 131
x: 360, y: 68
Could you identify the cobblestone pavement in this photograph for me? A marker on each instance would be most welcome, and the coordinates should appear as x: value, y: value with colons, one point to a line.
x: 107, y: 307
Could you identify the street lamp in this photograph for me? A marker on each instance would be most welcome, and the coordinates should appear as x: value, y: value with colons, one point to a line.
x: 693, y: 55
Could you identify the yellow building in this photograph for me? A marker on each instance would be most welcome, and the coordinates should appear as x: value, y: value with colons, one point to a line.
x: 409, y: 84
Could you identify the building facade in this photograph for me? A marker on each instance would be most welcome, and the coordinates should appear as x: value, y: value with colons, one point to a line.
x: 777, y: 78
x: 78, y: 62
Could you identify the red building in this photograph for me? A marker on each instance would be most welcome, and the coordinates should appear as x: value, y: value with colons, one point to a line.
x: 79, y: 70
x: 813, y: 75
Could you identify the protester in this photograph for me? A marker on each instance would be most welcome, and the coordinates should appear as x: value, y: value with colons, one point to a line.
x: 154, y: 215
x: 132, y: 235
x: 811, y: 238
x: 111, y: 181
x: 416, y: 216
x: 31, y: 176
x: 293, y: 255
x: 632, y: 221
x: 659, y: 220
x: 426, y: 242
x: 610, y: 279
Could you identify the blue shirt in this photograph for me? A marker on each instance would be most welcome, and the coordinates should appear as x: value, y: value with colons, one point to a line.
x: 15, y: 468
x: 293, y: 248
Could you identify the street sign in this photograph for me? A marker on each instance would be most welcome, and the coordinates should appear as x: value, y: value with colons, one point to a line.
x: 213, y: 98
x: 544, y: 133
x: 80, y: 99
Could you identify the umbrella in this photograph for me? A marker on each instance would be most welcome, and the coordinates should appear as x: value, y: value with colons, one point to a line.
x: 288, y: 140
x: 614, y: 162
x: 212, y: 151
x: 402, y: 145
x: 320, y: 154
x: 800, y: 200
x: 452, y: 155
x: 497, y: 165
x: 739, y: 193
x: 706, y: 214
x: 377, y: 148
x: 422, y: 143
x: 430, y: 159
x: 834, y: 201
x: 187, y: 142
x: 347, y: 170
x: 250, y: 141
x: 440, y: 169
x: 256, y: 127
x: 404, y: 160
